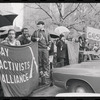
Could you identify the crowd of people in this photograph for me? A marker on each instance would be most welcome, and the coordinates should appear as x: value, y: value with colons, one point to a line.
x: 42, y: 36
x: 62, y: 50
x: 85, y: 45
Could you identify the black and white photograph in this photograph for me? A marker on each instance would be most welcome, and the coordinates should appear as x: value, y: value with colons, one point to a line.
x: 49, y: 49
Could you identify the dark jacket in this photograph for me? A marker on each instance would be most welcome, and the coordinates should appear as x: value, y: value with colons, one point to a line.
x: 23, y: 40
x: 43, y: 43
x: 62, y: 51
x: 51, y: 51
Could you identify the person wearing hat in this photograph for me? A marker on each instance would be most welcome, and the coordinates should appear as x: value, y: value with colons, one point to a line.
x: 62, y: 52
x: 42, y: 36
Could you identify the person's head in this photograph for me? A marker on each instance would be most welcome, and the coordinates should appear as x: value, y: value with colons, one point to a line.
x: 11, y: 34
x: 61, y: 37
x: 40, y: 25
x: 80, y: 39
x: 25, y: 32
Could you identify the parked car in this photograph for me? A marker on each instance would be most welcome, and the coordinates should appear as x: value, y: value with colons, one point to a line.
x: 83, y: 77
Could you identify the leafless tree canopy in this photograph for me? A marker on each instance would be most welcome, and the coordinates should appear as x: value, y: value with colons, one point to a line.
x: 71, y: 15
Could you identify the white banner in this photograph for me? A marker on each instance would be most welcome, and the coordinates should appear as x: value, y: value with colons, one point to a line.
x: 93, y: 34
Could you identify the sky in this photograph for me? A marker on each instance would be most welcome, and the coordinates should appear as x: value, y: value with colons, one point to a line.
x: 18, y: 9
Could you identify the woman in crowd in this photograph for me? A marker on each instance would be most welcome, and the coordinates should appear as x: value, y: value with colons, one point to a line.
x: 10, y: 40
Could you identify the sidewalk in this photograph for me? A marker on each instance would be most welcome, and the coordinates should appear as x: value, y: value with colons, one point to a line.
x: 40, y: 88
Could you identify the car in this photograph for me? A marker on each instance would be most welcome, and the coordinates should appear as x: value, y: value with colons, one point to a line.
x: 82, y: 77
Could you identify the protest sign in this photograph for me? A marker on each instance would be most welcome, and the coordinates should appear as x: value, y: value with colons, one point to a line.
x: 93, y: 34
x: 19, y: 69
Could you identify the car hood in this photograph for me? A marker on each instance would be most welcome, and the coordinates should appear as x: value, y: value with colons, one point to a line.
x: 85, y: 68
x: 86, y: 65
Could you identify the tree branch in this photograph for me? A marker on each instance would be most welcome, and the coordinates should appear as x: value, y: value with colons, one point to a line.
x: 92, y: 6
x: 31, y: 7
x: 52, y: 13
x: 59, y: 9
x: 75, y: 23
x: 71, y: 12
x: 44, y: 10
x: 97, y: 13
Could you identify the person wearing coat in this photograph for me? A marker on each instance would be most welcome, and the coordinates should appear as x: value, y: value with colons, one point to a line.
x: 62, y: 52
x: 11, y: 40
x: 42, y: 36
x: 25, y: 38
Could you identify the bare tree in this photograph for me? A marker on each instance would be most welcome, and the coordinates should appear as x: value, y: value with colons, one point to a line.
x: 74, y: 14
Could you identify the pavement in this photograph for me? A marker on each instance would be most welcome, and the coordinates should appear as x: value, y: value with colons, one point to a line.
x: 40, y: 88
x: 51, y: 91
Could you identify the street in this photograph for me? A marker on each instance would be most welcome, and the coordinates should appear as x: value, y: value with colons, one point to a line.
x: 45, y: 45
x: 49, y: 91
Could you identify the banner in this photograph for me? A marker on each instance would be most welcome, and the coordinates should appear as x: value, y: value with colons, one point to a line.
x: 19, y: 69
x: 73, y: 51
x: 93, y: 34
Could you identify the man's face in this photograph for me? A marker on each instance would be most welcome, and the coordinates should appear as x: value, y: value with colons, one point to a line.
x: 26, y: 32
x: 40, y: 26
x: 11, y: 35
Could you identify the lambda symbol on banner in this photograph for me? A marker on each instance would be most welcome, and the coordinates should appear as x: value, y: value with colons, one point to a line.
x: 33, y: 59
